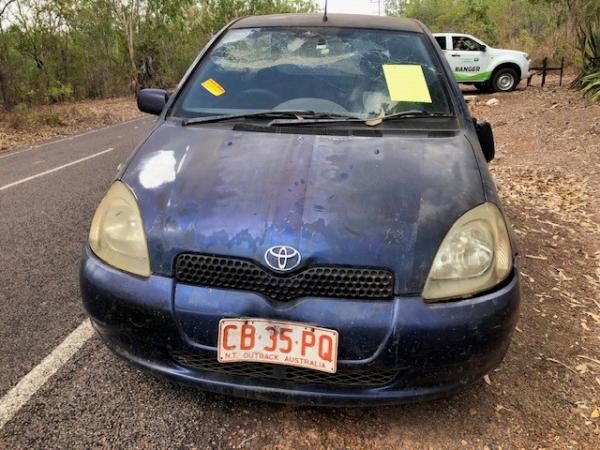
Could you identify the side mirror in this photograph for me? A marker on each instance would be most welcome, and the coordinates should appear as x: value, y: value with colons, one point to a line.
x: 152, y: 101
x: 483, y: 48
x: 486, y: 138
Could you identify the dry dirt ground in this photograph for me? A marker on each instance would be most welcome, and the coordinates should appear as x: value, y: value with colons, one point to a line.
x: 546, y: 393
x: 23, y: 128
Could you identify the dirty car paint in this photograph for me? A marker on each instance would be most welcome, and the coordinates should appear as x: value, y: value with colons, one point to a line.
x: 384, y: 202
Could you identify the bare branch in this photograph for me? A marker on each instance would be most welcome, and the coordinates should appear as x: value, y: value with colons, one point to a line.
x: 5, y: 7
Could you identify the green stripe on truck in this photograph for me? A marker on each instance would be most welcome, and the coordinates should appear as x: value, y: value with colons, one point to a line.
x: 483, y: 76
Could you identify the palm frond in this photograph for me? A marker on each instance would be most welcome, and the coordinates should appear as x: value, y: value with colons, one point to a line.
x: 588, y: 80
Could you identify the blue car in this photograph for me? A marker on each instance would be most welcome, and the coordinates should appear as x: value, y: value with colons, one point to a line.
x: 311, y: 220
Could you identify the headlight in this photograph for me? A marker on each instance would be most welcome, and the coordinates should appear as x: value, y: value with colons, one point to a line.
x: 474, y: 256
x: 117, y: 232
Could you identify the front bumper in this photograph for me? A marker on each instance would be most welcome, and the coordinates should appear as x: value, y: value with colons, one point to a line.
x: 436, y: 349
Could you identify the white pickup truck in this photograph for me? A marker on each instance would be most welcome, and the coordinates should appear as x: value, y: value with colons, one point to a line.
x: 474, y: 62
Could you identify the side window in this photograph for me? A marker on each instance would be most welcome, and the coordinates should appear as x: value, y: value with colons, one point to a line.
x: 464, y: 43
x: 441, y: 40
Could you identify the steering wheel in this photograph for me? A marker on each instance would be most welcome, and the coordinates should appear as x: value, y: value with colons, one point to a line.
x: 312, y: 104
x: 260, y: 98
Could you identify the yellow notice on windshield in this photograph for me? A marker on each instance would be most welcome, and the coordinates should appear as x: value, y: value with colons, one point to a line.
x: 213, y: 87
x: 406, y: 83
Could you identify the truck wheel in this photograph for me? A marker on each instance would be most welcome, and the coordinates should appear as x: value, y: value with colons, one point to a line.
x: 505, y: 80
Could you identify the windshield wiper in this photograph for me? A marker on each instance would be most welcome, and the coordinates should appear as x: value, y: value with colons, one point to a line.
x: 298, y: 115
x: 308, y: 117
x: 371, y: 121
x: 412, y: 113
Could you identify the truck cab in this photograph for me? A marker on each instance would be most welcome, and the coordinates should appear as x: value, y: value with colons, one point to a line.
x: 476, y: 63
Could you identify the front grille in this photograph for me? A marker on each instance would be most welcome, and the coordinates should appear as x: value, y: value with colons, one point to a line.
x: 236, y: 273
x: 345, y: 377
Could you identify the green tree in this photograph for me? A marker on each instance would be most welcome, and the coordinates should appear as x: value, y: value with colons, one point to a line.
x: 217, y: 13
x: 395, y: 7
x: 5, y: 59
x: 55, y: 50
x: 539, y: 27
x: 475, y: 19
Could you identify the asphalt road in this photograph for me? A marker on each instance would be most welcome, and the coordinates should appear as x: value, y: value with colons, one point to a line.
x: 43, y: 224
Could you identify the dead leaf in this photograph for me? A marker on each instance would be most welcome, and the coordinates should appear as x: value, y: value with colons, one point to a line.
x: 376, y: 120
x: 589, y: 359
x: 596, y: 317
x: 556, y: 361
x: 529, y: 278
x: 541, y: 258
x: 499, y: 408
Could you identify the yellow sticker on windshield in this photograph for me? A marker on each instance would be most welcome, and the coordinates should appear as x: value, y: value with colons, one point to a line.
x: 406, y: 83
x: 213, y: 87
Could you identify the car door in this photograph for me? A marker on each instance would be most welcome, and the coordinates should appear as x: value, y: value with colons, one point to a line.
x: 442, y: 42
x: 468, y: 59
x: 445, y: 43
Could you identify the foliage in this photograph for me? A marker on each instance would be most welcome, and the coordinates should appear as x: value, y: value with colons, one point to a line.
x: 217, y: 13
x: 590, y: 84
x: 588, y: 79
x: 539, y: 27
x: 57, y: 50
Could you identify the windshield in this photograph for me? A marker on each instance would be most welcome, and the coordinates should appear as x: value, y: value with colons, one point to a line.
x: 354, y: 72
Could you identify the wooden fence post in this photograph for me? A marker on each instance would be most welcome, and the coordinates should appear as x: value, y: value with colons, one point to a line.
x: 562, y: 66
x: 544, y: 66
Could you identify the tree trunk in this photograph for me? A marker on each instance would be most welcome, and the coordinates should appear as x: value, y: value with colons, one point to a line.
x: 131, y: 51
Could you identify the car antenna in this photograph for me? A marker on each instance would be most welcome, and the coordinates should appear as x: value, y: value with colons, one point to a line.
x: 325, y: 12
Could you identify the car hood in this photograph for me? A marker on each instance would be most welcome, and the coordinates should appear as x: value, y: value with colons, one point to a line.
x: 508, y: 52
x: 364, y: 201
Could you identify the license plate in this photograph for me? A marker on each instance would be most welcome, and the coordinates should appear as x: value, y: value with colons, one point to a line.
x: 274, y: 342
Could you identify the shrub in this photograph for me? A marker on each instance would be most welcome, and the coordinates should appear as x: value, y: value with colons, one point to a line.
x: 59, y: 93
x: 51, y: 119
x: 588, y: 79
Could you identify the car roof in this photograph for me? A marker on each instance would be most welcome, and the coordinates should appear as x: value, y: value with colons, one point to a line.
x: 452, y: 34
x: 333, y: 20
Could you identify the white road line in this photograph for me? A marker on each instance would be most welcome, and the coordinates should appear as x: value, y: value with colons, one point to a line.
x: 20, y: 394
x: 69, y: 138
x: 56, y: 169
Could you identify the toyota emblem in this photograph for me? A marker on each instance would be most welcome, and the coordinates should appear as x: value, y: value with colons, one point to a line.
x: 282, y: 258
